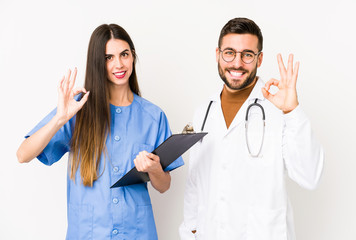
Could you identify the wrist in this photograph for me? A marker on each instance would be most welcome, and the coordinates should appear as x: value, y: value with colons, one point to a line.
x: 157, y: 171
x: 59, y: 121
x: 286, y: 111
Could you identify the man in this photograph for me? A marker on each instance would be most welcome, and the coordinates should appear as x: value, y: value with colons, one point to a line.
x: 236, y: 183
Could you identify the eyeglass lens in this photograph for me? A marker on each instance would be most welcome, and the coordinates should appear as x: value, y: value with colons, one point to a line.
x: 229, y: 55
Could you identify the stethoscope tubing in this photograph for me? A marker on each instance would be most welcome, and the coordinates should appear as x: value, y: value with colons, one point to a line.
x: 246, y: 125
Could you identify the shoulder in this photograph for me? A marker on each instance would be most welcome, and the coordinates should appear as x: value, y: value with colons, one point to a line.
x: 148, y: 108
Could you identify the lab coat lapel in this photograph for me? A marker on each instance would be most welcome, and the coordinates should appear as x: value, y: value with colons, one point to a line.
x: 218, y: 113
x: 241, y: 114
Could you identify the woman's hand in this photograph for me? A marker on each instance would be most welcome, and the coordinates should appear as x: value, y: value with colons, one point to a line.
x: 286, y: 97
x: 67, y: 105
x: 150, y: 163
x: 67, y: 108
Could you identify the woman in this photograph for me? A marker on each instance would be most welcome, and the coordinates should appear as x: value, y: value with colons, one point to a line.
x: 104, y: 126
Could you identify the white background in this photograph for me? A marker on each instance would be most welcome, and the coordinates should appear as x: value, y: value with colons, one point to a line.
x: 175, y: 42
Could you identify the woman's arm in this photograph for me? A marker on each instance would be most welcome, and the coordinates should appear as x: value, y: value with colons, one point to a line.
x: 32, y: 146
x: 150, y: 163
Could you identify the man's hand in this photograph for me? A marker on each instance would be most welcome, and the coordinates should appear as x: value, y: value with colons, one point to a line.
x: 286, y: 98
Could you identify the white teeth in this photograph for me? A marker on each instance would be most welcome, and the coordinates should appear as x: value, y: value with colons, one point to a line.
x: 236, y: 74
x: 119, y: 74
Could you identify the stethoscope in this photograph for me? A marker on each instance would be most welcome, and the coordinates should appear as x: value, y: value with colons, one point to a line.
x: 246, y: 125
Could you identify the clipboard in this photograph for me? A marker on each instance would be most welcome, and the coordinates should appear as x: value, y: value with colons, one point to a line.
x: 168, y: 152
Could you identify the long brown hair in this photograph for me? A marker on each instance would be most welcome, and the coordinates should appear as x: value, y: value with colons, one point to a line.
x: 93, y: 120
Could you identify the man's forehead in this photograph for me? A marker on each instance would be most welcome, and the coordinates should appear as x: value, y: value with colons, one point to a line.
x: 239, y: 42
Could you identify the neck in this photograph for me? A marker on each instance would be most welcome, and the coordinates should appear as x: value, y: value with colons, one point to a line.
x: 121, y: 95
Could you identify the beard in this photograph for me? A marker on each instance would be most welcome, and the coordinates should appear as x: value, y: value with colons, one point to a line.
x: 250, y: 78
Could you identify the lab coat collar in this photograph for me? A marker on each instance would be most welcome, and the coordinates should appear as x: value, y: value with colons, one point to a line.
x: 256, y: 92
x: 240, y: 116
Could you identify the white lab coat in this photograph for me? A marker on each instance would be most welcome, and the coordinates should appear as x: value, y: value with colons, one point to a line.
x: 231, y: 195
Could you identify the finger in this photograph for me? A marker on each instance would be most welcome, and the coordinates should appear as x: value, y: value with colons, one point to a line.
x: 144, y: 164
x: 60, y: 84
x: 267, y: 94
x: 66, y: 81
x: 295, y: 74
x: 282, y: 68
x: 79, y: 90
x: 72, y: 79
x: 83, y: 100
x: 138, y: 164
x: 143, y: 156
x: 273, y: 82
x: 63, y: 82
x: 290, y: 67
x: 153, y: 157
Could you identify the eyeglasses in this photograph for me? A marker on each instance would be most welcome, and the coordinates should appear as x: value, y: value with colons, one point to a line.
x: 247, y: 56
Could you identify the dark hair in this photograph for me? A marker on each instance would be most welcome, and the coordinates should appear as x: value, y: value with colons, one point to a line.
x: 242, y: 26
x: 93, y: 120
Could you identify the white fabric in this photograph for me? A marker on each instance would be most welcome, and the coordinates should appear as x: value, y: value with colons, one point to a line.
x: 230, y: 195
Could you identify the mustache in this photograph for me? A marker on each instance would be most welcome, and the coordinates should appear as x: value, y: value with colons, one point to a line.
x: 236, y: 69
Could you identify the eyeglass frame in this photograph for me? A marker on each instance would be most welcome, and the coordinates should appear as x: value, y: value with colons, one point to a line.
x: 236, y: 52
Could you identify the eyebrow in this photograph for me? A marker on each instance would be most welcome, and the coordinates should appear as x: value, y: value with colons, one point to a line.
x: 245, y: 50
x: 126, y: 50
x: 109, y: 54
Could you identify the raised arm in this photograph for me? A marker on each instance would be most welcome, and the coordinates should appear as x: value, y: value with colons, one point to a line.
x: 32, y: 146
x: 302, y: 153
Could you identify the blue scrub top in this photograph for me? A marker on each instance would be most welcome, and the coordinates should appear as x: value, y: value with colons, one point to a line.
x: 99, y: 212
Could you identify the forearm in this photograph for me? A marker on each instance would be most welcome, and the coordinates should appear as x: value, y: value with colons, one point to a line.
x: 303, y: 154
x: 32, y: 146
x: 160, y: 180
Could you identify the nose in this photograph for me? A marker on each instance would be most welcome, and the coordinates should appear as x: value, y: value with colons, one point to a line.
x: 237, y: 62
x: 118, y: 63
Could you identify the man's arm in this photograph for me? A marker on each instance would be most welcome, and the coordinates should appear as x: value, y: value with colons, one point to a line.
x: 302, y: 153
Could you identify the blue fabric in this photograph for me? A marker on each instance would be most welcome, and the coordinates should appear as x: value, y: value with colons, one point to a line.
x: 120, y: 213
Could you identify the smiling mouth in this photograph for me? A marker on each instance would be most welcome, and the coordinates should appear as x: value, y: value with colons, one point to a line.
x: 120, y: 75
x: 236, y: 74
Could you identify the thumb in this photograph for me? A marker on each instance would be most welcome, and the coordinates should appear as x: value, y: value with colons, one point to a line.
x: 266, y: 94
x: 84, y: 99
x: 153, y: 157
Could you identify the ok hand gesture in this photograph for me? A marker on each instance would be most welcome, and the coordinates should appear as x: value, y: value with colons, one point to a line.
x: 67, y: 105
x: 286, y: 97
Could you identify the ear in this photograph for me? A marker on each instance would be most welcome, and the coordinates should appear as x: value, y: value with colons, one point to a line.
x: 259, y: 59
x: 217, y: 54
